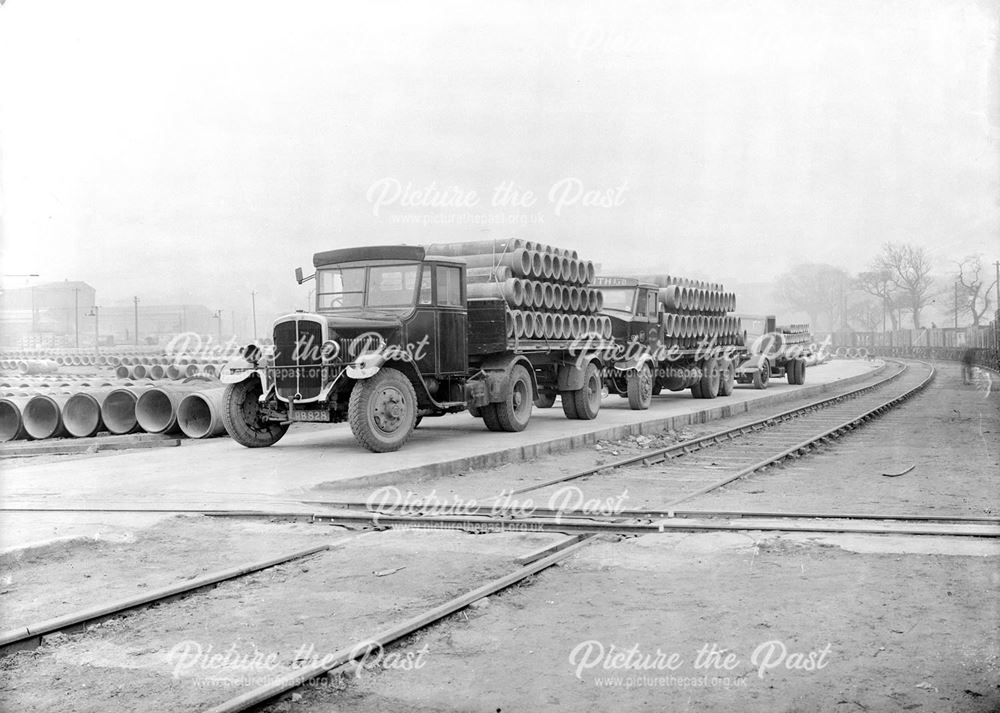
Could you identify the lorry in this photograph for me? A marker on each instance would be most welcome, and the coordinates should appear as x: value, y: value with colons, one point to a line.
x: 393, y: 338
x: 653, y: 355
x: 772, y: 352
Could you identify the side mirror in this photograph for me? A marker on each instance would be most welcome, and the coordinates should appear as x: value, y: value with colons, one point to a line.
x: 298, y: 275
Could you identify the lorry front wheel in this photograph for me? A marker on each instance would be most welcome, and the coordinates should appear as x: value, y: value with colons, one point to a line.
x: 640, y: 388
x: 383, y: 411
x: 242, y: 415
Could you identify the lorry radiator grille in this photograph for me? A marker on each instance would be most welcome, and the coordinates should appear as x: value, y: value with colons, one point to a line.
x: 297, y: 359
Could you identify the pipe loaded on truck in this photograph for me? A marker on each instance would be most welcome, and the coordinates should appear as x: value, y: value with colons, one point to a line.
x: 671, y: 333
x: 400, y: 333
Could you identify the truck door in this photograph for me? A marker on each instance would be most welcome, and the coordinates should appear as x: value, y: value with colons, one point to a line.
x: 449, y: 291
x: 421, y: 331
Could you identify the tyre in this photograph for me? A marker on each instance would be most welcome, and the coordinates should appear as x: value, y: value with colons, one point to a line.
x: 417, y: 422
x: 802, y: 371
x: 588, y: 399
x: 640, y: 388
x: 696, y: 391
x: 762, y: 376
x: 657, y: 388
x: 383, y: 411
x: 792, y: 371
x: 490, y: 418
x: 568, y: 404
x: 514, y: 412
x: 545, y: 400
x: 242, y: 416
x: 727, y: 379
x: 710, y: 378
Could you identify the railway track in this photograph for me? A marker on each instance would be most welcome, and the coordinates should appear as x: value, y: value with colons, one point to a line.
x: 726, y: 455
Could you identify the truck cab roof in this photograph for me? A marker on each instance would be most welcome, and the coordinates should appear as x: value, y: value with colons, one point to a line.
x: 408, y: 253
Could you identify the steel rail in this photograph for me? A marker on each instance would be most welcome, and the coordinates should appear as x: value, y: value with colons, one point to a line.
x: 362, y: 648
x: 29, y: 635
x: 650, y: 457
x: 577, y: 513
x: 478, y: 523
x: 810, y: 443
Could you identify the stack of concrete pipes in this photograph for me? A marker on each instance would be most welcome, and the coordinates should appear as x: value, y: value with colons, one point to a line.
x: 547, y: 290
x: 166, y: 369
x: 695, y: 311
x: 795, y: 333
x: 79, y: 408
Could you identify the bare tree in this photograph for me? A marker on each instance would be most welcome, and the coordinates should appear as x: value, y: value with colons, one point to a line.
x: 973, y: 299
x: 909, y: 269
x: 867, y: 313
x: 878, y: 284
x: 816, y: 289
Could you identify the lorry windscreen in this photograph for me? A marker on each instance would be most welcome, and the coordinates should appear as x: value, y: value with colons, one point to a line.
x: 380, y: 286
x: 618, y: 299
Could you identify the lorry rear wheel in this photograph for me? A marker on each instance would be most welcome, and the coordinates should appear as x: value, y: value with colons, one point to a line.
x: 640, y: 388
x: 514, y: 412
x: 588, y: 399
x: 710, y: 379
x: 568, y: 404
x: 545, y: 400
x: 383, y: 411
x: 490, y: 418
x: 727, y: 380
x: 242, y: 415
x: 802, y: 371
x: 762, y: 376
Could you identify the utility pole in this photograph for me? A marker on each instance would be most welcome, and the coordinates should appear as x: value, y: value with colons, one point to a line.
x: 95, y: 312
x: 76, y: 314
x: 135, y: 301
x: 996, y: 317
x: 253, y: 307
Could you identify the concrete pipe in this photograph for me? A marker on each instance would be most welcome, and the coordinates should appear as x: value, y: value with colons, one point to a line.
x: 527, y: 326
x: 11, y: 419
x: 538, y: 295
x: 42, y: 416
x: 81, y: 413
x: 156, y: 408
x: 544, y: 248
x: 548, y: 295
x: 574, y: 299
x: 670, y: 297
x: 123, y: 372
x: 547, y: 259
x: 572, y: 273
x: 548, y: 326
x: 520, y: 262
x: 509, y: 324
x: 139, y: 371
x: 209, y: 370
x: 475, y: 247
x: 517, y: 317
x: 488, y: 274
x: 37, y: 366
x: 512, y: 291
x: 565, y: 267
x: 157, y: 372
x: 118, y: 409
x: 199, y: 414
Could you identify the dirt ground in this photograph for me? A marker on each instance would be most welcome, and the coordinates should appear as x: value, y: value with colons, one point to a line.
x: 808, y: 623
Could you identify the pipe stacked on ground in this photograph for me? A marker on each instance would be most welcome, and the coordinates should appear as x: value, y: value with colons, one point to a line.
x: 547, y: 290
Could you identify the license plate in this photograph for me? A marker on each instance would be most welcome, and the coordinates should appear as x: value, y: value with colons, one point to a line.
x: 310, y: 415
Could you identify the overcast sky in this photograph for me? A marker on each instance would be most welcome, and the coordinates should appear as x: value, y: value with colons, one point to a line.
x: 193, y: 151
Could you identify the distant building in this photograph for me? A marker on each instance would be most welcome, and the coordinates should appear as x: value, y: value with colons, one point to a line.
x: 59, y: 315
x: 52, y: 314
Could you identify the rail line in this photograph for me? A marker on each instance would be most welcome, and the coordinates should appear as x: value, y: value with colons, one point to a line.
x: 824, y: 419
x: 733, y: 433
